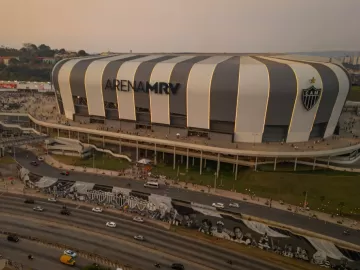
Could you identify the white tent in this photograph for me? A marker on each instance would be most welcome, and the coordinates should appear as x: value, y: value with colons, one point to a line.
x: 144, y: 161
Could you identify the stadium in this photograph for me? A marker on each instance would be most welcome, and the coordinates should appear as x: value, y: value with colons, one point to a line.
x: 234, y: 98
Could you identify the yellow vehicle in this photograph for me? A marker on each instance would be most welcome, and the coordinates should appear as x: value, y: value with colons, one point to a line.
x: 66, y: 259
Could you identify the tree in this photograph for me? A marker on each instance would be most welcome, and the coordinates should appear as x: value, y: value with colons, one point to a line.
x: 44, y: 47
x: 82, y: 53
x: 62, y: 51
x: 30, y: 47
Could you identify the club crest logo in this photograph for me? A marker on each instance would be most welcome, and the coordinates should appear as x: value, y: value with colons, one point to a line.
x: 310, y: 97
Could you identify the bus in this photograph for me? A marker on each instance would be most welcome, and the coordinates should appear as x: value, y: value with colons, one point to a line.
x: 151, y: 184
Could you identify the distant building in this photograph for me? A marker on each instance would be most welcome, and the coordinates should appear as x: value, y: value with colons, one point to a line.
x: 48, y: 60
x: 5, y: 59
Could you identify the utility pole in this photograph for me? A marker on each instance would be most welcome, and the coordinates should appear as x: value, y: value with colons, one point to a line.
x: 305, y: 199
x: 215, y: 174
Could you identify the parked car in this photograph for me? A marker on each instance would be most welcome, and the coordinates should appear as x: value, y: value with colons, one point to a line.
x: 111, y: 224
x: 52, y: 200
x: 40, y: 159
x: 28, y: 200
x: 38, y: 209
x: 13, y: 238
x: 138, y: 219
x: 97, y: 209
x: 218, y: 205
x: 66, y: 173
x: 34, y: 163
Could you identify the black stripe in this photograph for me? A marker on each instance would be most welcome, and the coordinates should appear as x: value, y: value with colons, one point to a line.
x: 224, y: 89
x: 143, y: 75
x: 283, y: 91
x: 180, y: 74
x: 110, y: 72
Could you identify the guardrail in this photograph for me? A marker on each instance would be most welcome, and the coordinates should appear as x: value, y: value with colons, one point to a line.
x: 81, y: 253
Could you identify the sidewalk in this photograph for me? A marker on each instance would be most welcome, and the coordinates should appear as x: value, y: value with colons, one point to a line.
x: 219, y: 192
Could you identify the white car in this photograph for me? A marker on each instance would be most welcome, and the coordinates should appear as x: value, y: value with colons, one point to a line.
x: 139, y: 237
x: 218, y: 205
x: 38, y: 209
x: 234, y: 205
x: 40, y: 159
x: 111, y: 224
x: 97, y: 210
x: 70, y: 253
x: 52, y: 200
x: 138, y: 219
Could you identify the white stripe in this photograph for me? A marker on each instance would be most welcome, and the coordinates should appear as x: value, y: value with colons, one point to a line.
x: 126, y: 100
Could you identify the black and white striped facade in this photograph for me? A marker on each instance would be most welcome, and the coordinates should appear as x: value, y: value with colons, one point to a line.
x: 257, y: 98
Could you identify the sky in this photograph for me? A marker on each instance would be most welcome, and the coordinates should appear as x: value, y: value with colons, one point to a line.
x: 231, y: 26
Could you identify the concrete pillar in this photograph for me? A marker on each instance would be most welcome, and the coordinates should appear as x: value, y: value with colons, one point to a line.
x: 120, y: 150
x: 204, y: 163
x: 218, y: 166
x: 137, y: 151
x: 256, y: 159
x: 58, y: 132
x: 236, y: 167
x: 88, y: 137
x: 47, y: 130
x: 146, y: 153
x: 40, y: 129
x: 181, y: 159
x: 78, y: 136
x: 314, y: 164
x: 155, y: 155
x: 275, y: 164
x: 193, y: 162
x: 201, y: 163
x: 295, y: 164
x: 187, y: 159
x: 328, y: 162
x: 69, y: 134
x: 103, y: 141
x: 174, y: 163
x: 163, y: 156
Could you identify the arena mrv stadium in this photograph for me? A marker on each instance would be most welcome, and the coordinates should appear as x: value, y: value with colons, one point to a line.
x: 236, y: 98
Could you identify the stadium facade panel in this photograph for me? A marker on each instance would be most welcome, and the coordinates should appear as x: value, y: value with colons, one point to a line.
x: 244, y: 98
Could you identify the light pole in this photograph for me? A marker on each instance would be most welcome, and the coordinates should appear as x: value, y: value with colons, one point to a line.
x: 215, y: 178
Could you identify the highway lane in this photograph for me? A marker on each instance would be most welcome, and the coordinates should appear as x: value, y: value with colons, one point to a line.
x: 182, y: 249
x: 45, y: 258
x: 329, y: 229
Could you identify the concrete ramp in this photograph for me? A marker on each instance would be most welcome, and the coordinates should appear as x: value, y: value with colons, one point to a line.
x: 46, y: 182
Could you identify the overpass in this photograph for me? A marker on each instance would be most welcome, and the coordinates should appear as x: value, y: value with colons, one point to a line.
x: 187, y: 150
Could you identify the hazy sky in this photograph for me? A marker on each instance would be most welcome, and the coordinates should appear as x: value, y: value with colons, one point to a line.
x: 183, y: 25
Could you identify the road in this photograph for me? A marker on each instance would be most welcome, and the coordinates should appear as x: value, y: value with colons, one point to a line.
x: 300, y: 221
x: 44, y: 257
x: 86, y: 230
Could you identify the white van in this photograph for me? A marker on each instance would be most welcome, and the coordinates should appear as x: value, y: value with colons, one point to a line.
x: 151, y: 184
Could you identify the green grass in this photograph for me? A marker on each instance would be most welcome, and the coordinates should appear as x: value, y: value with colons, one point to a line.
x: 327, y: 190
x: 101, y: 161
x: 354, y: 94
x: 7, y: 160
